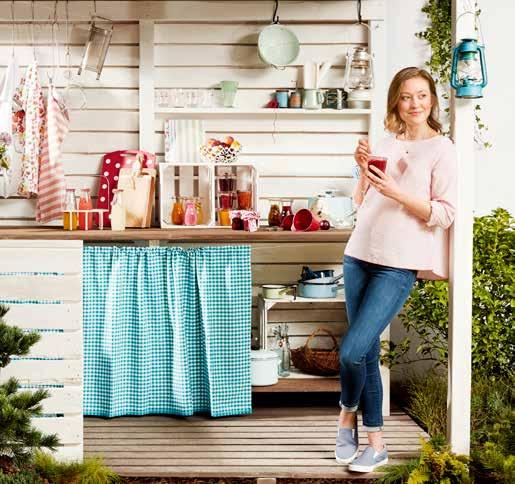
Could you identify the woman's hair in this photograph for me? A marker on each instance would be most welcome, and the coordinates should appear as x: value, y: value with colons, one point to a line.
x: 392, y: 120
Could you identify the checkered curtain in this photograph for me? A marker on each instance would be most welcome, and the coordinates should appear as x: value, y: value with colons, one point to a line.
x: 167, y: 331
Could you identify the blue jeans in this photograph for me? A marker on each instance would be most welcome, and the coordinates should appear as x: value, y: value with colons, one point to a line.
x: 374, y: 295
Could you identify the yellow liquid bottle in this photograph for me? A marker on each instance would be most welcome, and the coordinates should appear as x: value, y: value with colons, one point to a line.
x: 70, y: 218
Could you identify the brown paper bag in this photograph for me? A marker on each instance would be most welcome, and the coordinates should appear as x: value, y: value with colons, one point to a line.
x: 138, y: 195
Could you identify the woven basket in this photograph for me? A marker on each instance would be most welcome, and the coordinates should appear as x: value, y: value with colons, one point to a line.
x: 321, y: 362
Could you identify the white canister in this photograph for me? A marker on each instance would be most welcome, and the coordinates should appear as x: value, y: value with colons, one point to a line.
x: 263, y: 367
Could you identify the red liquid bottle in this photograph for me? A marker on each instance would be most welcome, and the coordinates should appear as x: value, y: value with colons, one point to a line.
x: 85, y: 203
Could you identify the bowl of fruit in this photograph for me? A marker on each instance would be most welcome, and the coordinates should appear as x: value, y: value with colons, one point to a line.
x: 216, y: 151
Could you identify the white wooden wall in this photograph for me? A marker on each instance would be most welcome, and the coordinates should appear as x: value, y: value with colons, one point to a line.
x: 198, y: 44
x: 43, y: 302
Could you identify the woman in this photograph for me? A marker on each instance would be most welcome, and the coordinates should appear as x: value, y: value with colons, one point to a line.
x: 400, y: 234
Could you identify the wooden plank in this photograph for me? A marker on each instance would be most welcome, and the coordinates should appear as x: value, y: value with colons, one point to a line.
x: 68, y: 429
x: 247, y: 34
x: 58, y: 345
x: 85, y: 142
x: 286, y: 143
x: 287, y: 122
x: 104, y: 120
x: 199, y: 11
x: 67, y: 400
x: 77, y: 33
x: 262, y: 78
x: 311, y: 385
x: 44, y: 371
x: 239, y: 55
x: 32, y: 259
x: 46, y: 288
x: 44, y: 244
x: 45, y: 316
x: 117, y: 55
x: 176, y: 235
x: 146, y: 85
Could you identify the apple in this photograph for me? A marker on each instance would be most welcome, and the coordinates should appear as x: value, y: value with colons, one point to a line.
x: 235, y: 145
x: 229, y: 140
x: 211, y: 142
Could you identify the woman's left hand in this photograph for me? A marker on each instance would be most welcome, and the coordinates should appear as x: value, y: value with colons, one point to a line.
x: 383, y: 183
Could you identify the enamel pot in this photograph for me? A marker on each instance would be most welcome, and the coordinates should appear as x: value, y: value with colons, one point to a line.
x: 321, y: 288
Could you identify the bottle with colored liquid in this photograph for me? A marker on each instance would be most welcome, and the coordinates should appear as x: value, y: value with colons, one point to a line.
x: 118, y: 218
x: 70, y: 220
x: 190, y: 215
x: 85, y: 203
x: 200, y: 213
x: 177, y: 212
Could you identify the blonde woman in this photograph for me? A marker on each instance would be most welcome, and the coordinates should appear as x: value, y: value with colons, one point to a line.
x: 401, y: 234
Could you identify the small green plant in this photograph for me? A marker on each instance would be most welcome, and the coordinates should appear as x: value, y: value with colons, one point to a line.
x: 493, y: 328
x: 18, y: 438
x: 25, y: 477
x: 91, y: 471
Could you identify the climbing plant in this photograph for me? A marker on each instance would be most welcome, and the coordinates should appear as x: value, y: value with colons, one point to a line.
x: 438, y: 34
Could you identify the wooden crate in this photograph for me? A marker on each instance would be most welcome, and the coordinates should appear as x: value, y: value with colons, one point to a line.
x: 185, y: 180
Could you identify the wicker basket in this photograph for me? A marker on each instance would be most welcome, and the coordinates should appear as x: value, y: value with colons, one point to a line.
x: 321, y: 362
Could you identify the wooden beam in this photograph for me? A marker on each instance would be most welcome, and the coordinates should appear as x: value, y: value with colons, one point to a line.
x: 460, y: 279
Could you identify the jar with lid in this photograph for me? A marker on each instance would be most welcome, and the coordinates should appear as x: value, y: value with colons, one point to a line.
x: 274, y: 214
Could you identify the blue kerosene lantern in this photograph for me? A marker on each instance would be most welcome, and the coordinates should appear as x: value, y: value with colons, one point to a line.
x: 468, y: 74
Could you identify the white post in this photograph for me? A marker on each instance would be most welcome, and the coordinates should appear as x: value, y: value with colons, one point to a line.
x: 146, y: 85
x: 460, y: 280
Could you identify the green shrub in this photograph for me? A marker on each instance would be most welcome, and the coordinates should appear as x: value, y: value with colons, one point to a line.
x: 493, y: 328
x: 24, y: 477
x: 18, y: 438
x: 91, y: 471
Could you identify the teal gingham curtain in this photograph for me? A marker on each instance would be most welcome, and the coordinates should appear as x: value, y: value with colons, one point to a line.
x: 167, y: 331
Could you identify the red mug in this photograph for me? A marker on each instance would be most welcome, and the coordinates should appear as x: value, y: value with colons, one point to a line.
x: 305, y: 221
x: 378, y: 162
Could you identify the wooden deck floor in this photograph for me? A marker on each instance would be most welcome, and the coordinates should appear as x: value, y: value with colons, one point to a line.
x: 295, y: 442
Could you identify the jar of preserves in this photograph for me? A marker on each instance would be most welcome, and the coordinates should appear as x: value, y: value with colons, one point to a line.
x: 274, y: 214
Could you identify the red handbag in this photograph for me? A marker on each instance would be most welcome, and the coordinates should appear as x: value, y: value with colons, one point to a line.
x: 111, y: 165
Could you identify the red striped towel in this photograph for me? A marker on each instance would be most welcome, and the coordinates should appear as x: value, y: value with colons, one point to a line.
x: 51, y: 182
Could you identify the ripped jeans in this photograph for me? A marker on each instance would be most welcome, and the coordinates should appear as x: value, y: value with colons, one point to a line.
x: 374, y: 295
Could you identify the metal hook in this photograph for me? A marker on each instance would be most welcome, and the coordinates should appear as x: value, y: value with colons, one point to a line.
x: 275, y: 17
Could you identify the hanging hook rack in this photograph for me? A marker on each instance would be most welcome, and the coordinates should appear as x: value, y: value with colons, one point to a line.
x: 275, y: 17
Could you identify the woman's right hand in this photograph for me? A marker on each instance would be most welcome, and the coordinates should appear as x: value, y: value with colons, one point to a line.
x: 361, y: 155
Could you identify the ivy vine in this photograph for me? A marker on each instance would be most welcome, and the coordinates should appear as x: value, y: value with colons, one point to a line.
x: 438, y: 34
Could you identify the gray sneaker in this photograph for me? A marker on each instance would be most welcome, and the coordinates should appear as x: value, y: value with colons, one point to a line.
x: 346, y: 445
x: 369, y: 460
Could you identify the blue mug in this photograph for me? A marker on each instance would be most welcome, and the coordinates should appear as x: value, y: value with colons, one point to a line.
x: 282, y: 98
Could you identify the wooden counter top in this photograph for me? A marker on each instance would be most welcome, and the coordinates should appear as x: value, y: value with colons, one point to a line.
x: 174, y: 235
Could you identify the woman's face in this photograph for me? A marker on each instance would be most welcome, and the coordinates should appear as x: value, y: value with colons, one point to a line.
x: 415, y: 102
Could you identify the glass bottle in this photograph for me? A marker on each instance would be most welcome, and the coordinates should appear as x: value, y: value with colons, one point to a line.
x: 70, y: 219
x: 200, y: 213
x: 244, y: 199
x: 85, y: 203
x: 190, y: 215
x: 177, y: 212
x: 274, y: 214
x: 118, y: 217
x: 286, y: 353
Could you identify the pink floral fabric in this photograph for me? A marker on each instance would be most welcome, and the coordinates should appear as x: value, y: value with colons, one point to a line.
x: 30, y: 97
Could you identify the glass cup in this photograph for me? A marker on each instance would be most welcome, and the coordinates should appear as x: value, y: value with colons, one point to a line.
x: 377, y: 161
x: 162, y: 98
x: 224, y: 217
x: 226, y: 200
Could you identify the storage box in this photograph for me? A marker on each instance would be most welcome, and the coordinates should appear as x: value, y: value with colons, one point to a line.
x: 185, y: 180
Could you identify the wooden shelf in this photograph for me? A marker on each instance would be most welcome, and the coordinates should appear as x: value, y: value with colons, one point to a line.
x: 205, y: 112
x: 221, y: 235
x: 290, y: 385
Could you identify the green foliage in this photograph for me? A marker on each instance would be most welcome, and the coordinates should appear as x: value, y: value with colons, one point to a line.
x: 492, y: 421
x: 25, y: 477
x: 435, y: 464
x: 438, y: 34
x: 13, y: 340
x: 91, y: 471
x: 18, y: 438
x: 493, y: 329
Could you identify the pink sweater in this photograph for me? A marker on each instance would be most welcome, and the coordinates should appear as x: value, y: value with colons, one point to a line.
x: 386, y: 233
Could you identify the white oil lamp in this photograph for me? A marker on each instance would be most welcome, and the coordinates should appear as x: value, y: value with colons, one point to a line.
x: 359, y: 78
x: 468, y: 72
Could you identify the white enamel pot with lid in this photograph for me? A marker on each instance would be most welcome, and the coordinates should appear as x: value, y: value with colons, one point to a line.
x: 263, y: 368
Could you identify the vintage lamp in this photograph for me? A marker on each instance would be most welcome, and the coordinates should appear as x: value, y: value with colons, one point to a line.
x: 468, y: 73
x: 359, y: 78
x: 100, y: 32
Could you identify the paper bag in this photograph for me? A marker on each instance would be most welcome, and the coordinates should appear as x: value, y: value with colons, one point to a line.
x: 138, y: 195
